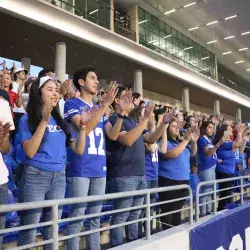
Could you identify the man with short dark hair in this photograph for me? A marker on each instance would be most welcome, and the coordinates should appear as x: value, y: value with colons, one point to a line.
x: 46, y: 72
x: 126, y: 165
x: 86, y: 174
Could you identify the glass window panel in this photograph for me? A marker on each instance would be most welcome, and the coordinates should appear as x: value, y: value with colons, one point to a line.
x: 168, y: 30
x: 162, y: 33
x: 142, y: 33
x: 148, y: 36
x: 155, y: 30
x: 155, y: 21
x: 141, y: 14
x: 162, y: 25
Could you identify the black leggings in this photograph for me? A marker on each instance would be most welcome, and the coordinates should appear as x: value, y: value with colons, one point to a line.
x: 222, y: 203
x: 175, y: 218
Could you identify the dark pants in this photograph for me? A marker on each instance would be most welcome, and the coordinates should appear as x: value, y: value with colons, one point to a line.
x: 3, y: 201
x: 175, y: 218
x: 222, y: 203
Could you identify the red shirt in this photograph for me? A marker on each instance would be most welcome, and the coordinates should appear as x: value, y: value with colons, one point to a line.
x: 13, y: 97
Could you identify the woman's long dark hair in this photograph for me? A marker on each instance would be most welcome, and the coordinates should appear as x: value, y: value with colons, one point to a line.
x: 220, y: 133
x: 34, y: 110
x: 136, y: 113
x: 204, y: 126
x: 170, y: 138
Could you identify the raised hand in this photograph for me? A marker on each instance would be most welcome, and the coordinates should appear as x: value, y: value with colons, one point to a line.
x: 195, y: 134
x: 168, y: 117
x: 4, y: 130
x: 188, y: 135
x: 111, y: 94
x: 125, y: 100
x: 85, y: 117
x: 64, y: 87
x: 148, y: 111
x: 46, y: 112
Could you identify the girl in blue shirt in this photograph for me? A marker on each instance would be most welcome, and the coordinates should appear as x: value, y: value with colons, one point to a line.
x: 44, y: 136
x: 226, y: 160
x: 207, y: 163
x: 174, y: 168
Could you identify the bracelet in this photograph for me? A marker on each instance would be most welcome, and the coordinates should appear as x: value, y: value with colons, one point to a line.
x: 121, y: 116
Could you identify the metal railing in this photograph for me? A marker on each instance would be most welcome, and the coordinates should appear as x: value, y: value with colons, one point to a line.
x: 55, y: 221
x: 213, y: 193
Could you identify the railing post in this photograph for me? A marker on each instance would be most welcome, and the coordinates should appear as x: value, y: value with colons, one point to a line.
x: 148, y: 221
x: 55, y: 226
x: 241, y: 191
x: 191, y: 213
x: 197, y: 203
x: 214, y: 198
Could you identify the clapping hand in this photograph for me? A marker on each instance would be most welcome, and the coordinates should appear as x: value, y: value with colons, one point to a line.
x: 125, y: 100
x: 85, y: 117
x: 64, y: 87
x: 111, y: 94
x: 148, y: 111
x: 168, y: 117
x: 46, y: 112
x: 195, y: 134
x: 4, y: 130
x: 188, y: 135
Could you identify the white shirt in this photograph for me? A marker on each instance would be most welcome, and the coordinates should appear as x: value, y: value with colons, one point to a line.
x: 4, y: 171
x: 15, y: 86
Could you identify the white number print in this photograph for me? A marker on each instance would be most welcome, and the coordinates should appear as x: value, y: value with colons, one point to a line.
x: 93, y: 149
x: 155, y: 155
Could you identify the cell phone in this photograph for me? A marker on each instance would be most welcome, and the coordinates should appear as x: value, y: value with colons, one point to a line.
x: 226, y: 133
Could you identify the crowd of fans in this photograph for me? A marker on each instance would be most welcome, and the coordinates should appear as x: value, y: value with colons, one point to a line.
x: 95, y: 141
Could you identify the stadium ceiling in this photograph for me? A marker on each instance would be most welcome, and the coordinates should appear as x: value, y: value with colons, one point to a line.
x: 223, y: 25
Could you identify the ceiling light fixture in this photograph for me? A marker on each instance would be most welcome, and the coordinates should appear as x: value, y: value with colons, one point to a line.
x: 245, y: 33
x: 243, y: 49
x: 171, y: 11
x: 92, y: 12
x: 248, y: 69
x: 229, y: 37
x: 239, y: 62
x: 214, y: 22
x: 214, y: 41
x: 226, y: 53
x: 188, y: 48
x: 144, y: 21
x: 206, y: 69
x: 205, y: 58
x: 195, y: 28
x: 152, y: 41
x: 230, y: 17
x: 188, y: 5
x: 167, y: 36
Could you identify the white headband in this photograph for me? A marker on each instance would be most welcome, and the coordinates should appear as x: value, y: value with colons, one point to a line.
x: 44, y: 79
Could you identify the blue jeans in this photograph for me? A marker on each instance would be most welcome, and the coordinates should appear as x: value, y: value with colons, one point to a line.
x: 3, y: 201
x: 123, y: 184
x: 206, y: 175
x: 39, y: 185
x: 150, y: 184
x: 81, y: 187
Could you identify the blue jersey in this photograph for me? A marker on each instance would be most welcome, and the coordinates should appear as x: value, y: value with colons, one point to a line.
x: 152, y: 164
x: 92, y: 163
x: 51, y: 154
x: 177, y: 168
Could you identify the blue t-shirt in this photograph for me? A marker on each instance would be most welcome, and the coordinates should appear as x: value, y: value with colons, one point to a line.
x: 226, y: 154
x: 92, y: 163
x: 152, y: 164
x: 175, y: 168
x: 51, y: 155
x: 122, y: 160
x: 205, y: 162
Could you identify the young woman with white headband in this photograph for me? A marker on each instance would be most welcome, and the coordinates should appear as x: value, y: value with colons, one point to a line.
x: 44, y: 136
